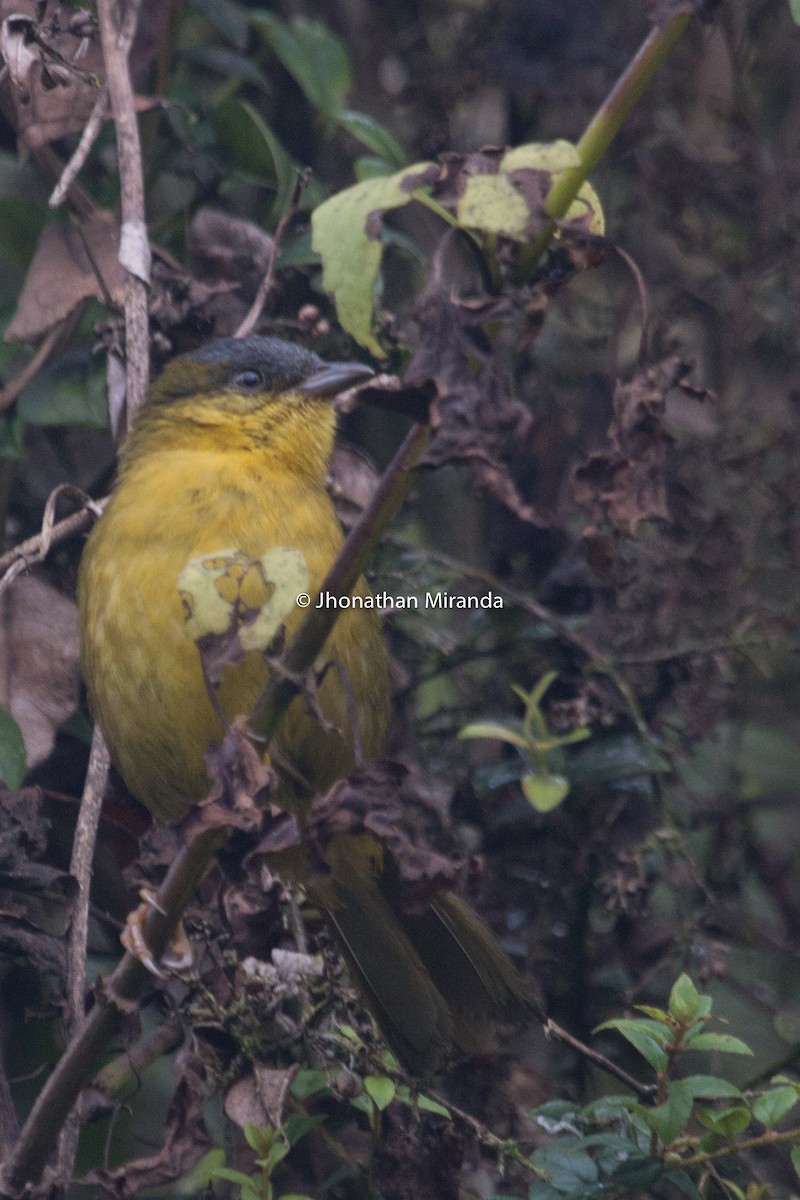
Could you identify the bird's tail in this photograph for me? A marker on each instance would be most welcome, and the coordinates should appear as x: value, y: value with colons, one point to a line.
x: 436, y: 982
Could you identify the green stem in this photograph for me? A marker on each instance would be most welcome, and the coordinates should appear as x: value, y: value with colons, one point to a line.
x: 605, y: 125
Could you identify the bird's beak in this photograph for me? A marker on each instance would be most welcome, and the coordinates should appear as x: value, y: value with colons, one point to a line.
x: 335, y: 377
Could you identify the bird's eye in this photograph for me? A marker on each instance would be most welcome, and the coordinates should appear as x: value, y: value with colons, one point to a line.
x: 248, y: 381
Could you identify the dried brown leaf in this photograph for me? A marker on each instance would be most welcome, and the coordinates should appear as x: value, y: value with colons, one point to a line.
x: 377, y: 801
x: 260, y: 1098
x: 626, y: 483
x: 419, y: 1155
x: 56, y: 65
x: 474, y: 416
x: 241, y: 784
x: 72, y: 263
x: 186, y: 1138
x: 39, y: 672
x: 24, y: 840
x: 230, y: 256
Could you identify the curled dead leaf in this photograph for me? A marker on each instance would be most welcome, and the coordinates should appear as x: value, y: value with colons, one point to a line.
x: 72, y: 263
x: 40, y: 674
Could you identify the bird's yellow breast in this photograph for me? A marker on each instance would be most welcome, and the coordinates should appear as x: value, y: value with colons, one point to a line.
x: 208, y: 500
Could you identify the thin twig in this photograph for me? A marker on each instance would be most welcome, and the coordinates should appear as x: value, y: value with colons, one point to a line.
x: 123, y: 1072
x: 646, y: 1090
x: 35, y: 549
x: 96, y: 117
x: 134, y: 248
x: 265, y: 287
x: 12, y: 389
x: 81, y: 870
x: 89, y: 136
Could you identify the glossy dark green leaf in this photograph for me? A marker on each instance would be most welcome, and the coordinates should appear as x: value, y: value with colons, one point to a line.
x: 611, y: 759
x: 227, y: 63
x: 12, y: 751
x: 73, y: 392
x: 313, y: 56
x: 568, y: 1167
x: 728, y: 1122
x: 773, y: 1106
x: 710, y: 1087
x: 299, y: 1124
x: 725, y: 1043
x: 308, y: 1082
x: 670, y: 1118
x: 230, y: 19
x: 374, y: 136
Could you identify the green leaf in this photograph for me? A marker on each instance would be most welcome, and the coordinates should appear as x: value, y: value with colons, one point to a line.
x: 369, y: 166
x: 497, y: 204
x: 774, y: 1105
x: 635, y: 1173
x: 795, y: 1157
x: 253, y: 147
x: 12, y: 751
x: 259, y: 1138
x: 684, y: 1000
x: 684, y: 1183
x: 727, y: 1122
x: 648, y: 1037
x: 544, y: 792
x: 12, y: 435
x: 313, y: 56
x: 374, y: 136
x: 609, y: 760
x: 346, y: 233
x: 723, y: 1042
x: 298, y: 1125
x: 421, y: 1101
x: 657, y: 1014
x: 670, y: 1118
x: 73, y: 392
x: 228, y: 18
x: 276, y: 1154
x: 380, y: 1089
x: 710, y: 1087
x: 794, y: 9
x: 308, y: 1083
x: 349, y: 1034
x: 228, y: 63
x: 493, y: 729
x: 232, y: 1176
x: 568, y: 1167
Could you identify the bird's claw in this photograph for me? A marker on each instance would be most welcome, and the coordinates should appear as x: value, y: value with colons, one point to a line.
x: 178, y: 958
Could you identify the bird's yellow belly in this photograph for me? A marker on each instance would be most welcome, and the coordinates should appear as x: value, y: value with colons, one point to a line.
x: 150, y: 696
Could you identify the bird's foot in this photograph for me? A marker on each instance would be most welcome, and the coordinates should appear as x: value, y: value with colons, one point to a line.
x: 178, y: 958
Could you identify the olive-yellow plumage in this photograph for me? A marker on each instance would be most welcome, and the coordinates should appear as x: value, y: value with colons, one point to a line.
x: 229, y: 457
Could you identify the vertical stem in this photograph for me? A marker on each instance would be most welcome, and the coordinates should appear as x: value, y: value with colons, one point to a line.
x: 606, y: 124
x: 134, y: 249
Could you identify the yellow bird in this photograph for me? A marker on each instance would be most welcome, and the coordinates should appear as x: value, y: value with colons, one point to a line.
x: 222, y: 488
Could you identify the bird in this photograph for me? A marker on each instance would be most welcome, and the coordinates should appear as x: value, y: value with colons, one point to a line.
x: 221, y: 493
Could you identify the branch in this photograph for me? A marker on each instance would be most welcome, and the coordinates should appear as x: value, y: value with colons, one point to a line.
x: 606, y: 124
x: 646, y: 1091
x: 81, y: 869
x: 265, y: 287
x: 35, y: 549
x: 134, y: 247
